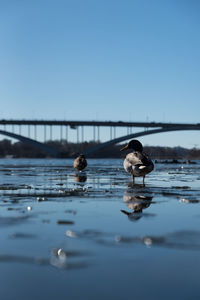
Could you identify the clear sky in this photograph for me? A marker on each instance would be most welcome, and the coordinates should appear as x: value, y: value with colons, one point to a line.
x: 129, y: 60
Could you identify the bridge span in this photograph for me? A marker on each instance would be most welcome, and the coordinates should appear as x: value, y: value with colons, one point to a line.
x: 150, y: 128
x: 135, y: 135
x: 73, y: 123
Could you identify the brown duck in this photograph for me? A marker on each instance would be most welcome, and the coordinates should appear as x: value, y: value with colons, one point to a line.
x: 80, y: 162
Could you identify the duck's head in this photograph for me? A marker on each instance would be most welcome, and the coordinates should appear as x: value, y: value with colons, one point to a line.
x: 77, y: 154
x: 133, y: 144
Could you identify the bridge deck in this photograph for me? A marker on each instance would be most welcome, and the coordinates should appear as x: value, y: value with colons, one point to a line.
x: 95, y: 123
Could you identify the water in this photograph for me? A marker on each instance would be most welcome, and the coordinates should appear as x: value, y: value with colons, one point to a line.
x: 96, y: 236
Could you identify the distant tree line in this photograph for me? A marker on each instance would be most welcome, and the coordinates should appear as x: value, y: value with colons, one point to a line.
x: 21, y: 150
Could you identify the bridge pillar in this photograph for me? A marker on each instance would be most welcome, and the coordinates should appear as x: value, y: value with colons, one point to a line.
x: 61, y: 133
x: 82, y: 134
x: 66, y: 133
x: 51, y: 132
x: 94, y: 133
x: 112, y: 132
x: 45, y: 134
x: 98, y: 133
x: 29, y: 131
x: 77, y: 134
x: 35, y: 132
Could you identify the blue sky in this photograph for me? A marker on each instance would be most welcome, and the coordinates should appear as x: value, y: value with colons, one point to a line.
x: 129, y: 60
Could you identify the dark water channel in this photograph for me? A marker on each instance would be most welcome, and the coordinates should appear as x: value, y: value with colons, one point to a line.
x: 96, y: 236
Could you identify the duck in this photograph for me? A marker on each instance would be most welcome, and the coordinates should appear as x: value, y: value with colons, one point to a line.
x: 80, y: 162
x: 137, y: 163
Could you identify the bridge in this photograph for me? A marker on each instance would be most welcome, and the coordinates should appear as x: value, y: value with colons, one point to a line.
x: 35, y: 127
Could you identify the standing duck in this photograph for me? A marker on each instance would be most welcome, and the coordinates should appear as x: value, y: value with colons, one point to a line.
x: 80, y: 162
x: 137, y: 163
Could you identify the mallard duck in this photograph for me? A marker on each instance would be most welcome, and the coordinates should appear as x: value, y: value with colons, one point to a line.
x: 80, y: 162
x: 137, y: 162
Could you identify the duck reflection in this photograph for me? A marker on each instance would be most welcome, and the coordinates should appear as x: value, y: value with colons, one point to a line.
x: 137, y: 200
x: 80, y: 177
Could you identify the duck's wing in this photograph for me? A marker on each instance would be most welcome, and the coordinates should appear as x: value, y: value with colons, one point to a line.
x: 146, y: 159
x: 138, y: 159
x: 83, y: 162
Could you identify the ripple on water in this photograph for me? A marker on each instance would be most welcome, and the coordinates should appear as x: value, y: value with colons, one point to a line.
x: 10, y: 221
x: 59, y: 260
x: 183, y: 240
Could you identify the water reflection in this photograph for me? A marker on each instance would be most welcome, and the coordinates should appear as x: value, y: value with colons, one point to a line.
x: 60, y: 259
x: 80, y: 177
x: 137, y: 200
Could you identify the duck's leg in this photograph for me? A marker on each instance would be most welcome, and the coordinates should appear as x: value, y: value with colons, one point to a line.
x: 133, y: 179
x: 143, y: 178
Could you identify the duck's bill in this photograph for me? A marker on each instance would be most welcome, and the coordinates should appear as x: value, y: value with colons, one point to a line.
x: 124, y: 148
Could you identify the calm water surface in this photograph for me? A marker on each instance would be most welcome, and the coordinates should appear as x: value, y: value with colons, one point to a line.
x: 94, y: 235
